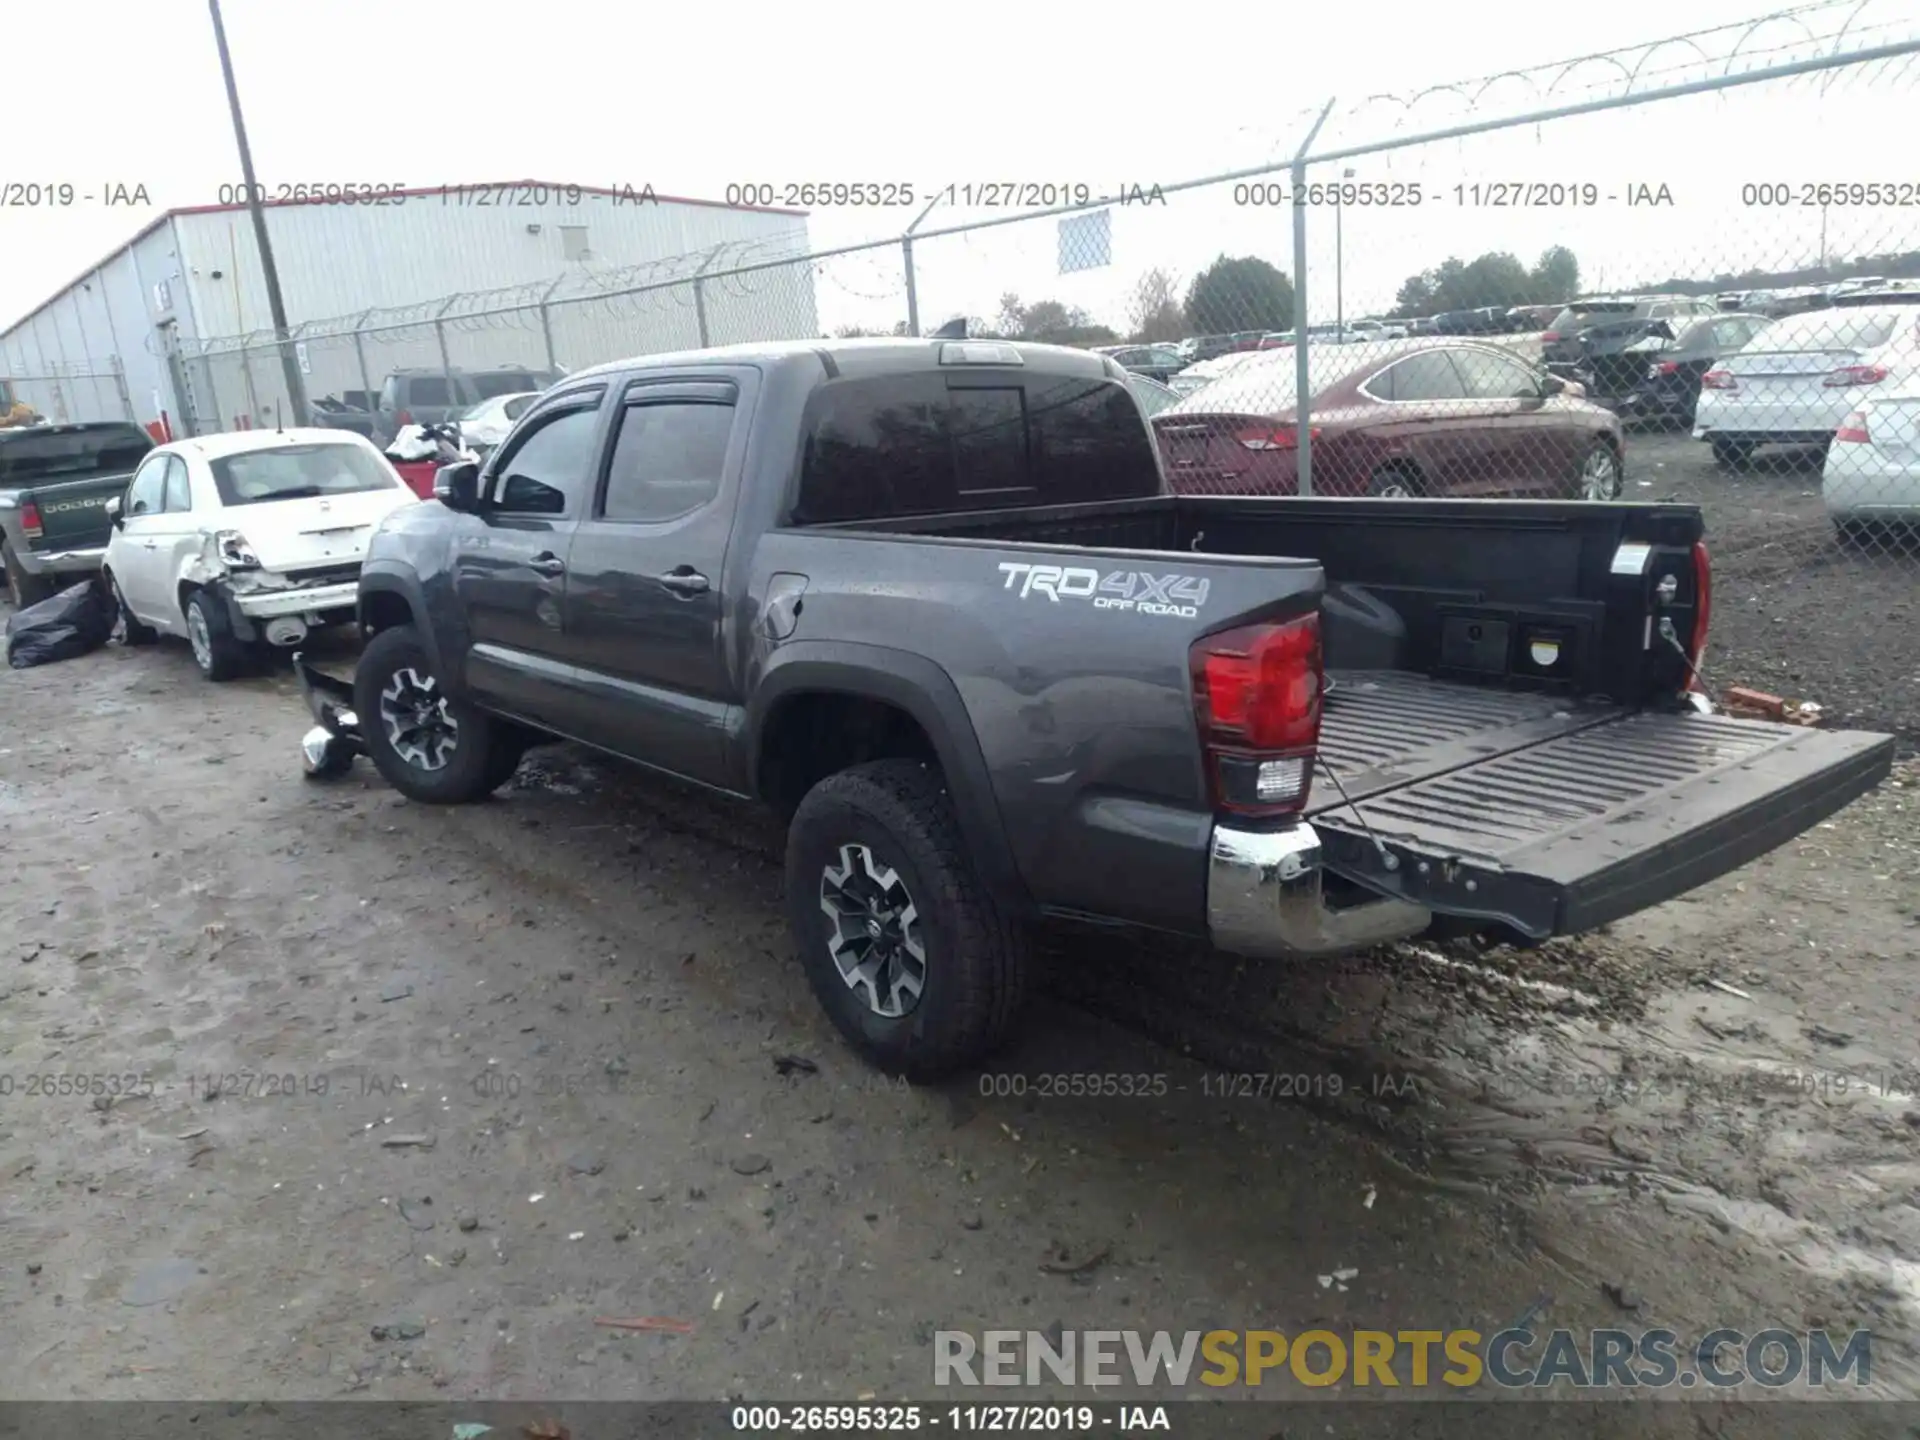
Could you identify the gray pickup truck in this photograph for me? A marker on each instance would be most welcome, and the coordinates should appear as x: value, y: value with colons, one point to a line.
x: 55, y: 481
x: 931, y: 600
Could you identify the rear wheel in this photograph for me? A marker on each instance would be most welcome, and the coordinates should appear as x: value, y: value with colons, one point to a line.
x: 1600, y: 473
x: 23, y: 589
x: 216, y: 649
x: 913, y: 959
x: 427, y: 744
x: 1731, y: 454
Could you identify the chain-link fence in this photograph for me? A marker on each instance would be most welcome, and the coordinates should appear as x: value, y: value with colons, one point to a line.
x: 1689, y: 271
x: 1686, y: 271
x: 68, y: 393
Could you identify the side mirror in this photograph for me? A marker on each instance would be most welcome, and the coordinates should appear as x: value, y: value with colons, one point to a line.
x: 114, y: 512
x: 457, y: 486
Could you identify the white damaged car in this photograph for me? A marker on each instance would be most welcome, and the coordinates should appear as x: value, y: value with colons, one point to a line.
x: 245, y: 540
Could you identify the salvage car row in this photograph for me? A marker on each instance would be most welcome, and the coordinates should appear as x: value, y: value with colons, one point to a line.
x: 934, y: 603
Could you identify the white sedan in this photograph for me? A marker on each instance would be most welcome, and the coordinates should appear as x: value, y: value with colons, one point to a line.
x: 237, y: 540
x: 485, y: 425
x: 1873, y: 469
x: 1799, y: 377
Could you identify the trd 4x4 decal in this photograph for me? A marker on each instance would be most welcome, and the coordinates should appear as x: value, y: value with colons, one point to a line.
x: 1138, y: 590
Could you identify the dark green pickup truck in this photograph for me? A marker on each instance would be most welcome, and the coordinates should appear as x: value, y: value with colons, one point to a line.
x: 55, y: 481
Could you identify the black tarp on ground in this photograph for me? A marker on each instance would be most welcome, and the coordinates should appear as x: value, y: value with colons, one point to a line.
x: 63, y: 627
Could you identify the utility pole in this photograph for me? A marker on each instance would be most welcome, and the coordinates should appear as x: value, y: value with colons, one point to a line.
x: 276, y: 308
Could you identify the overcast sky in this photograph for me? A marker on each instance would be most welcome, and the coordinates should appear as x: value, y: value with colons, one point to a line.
x: 432, y: 91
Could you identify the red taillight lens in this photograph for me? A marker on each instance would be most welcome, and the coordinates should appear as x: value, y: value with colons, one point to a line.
x: 1853, y: 429
x: 1256, y: 694
x: 1719, y: 380
x: 30, y: 520
x: 1849, y: 375
x: 1702, y: 611
x: 1667, y: 367
x: 405, y: 417
x: 1274, y: 437
x: 1551, y: 336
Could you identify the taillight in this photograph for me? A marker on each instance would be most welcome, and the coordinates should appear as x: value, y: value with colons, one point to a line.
x: 1848, y: 375
x: 1274, y: 437
x: 1719, y: 380
x: 1702, y: 612
x: 30, y: 520
x: 1667, y: 367
x: 1853, y: 429
x: 1256, y: 694
x: 405, y: 417
x: 1551, y: 336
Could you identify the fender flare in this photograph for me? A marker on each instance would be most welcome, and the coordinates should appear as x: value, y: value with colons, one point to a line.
x: 393, y: 580
x: 915, y: 684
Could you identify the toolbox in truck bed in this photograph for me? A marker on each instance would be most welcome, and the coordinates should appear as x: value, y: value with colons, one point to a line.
x: 1555, y: 817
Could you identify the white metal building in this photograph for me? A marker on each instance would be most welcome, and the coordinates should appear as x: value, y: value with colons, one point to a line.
x: 144, y: 333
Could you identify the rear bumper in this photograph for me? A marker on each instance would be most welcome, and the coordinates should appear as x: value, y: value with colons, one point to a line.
x: 61, y: 562
x: 1265, y: 899
x: 1860, y: 482
x: 316, y: 599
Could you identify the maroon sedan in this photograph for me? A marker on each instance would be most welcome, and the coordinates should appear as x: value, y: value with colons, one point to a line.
x: 1411, y: 417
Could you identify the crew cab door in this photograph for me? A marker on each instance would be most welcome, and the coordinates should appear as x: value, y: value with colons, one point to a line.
x: 644, y: 605
x: 510, y: 556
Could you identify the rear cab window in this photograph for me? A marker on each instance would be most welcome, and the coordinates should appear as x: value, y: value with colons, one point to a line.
x: 928, y: 442
x: 48, y: 456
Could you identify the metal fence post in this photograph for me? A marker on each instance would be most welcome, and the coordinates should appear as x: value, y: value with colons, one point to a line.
x: 1302, y: 391
x: 913, y: 300
x: 213, y: 399
x: 360, y: 355
x: 446, y: 360
x: 700, y: 296
x: 546, y: 323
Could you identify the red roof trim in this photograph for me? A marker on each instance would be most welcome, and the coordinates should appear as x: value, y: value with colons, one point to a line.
x: 424, y: 190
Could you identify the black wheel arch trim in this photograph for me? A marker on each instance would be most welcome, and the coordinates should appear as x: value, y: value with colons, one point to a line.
x: 404, y: 583
x: 915, y: 684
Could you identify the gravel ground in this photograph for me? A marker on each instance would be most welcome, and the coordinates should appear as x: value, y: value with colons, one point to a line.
x: 548, y: 1060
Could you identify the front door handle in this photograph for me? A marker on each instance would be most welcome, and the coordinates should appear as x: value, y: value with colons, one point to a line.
x: 685, y: 580
x: 547, y: 563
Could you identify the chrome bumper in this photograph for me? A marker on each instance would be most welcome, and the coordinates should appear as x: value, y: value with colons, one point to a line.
x: 42, y: 562
x: 1265, y: 900
x: 271, y: 604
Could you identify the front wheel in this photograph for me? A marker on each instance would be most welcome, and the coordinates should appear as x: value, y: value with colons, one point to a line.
x: 427, y: 744
x: 1600, y: 473
x: 915, y: 962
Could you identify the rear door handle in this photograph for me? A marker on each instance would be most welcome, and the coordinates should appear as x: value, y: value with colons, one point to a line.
x: 685, y: 580
x: 547, y: 563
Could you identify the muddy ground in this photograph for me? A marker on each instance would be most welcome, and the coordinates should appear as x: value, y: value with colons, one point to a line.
x: 424, y: 1093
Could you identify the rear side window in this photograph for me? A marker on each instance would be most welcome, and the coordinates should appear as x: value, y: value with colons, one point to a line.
x: 489, y: 384
x: 428, y: 390
x: 912, y: 444
x: 1427, y: 376
x: 668, y: 460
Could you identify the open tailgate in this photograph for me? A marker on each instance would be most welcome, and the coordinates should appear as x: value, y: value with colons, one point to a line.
x: 1555, y: 818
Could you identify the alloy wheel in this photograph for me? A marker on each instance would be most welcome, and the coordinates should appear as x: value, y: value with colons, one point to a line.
x: 875, y: 942
x: 413, y: 713
x: 1600, y: 476
x: 198, y: 637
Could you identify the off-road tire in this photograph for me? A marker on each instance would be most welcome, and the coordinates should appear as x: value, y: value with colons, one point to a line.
x: 978, y: 958
x: 478, y: 765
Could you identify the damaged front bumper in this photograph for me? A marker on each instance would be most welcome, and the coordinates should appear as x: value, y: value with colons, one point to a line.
x: 330, y: 746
